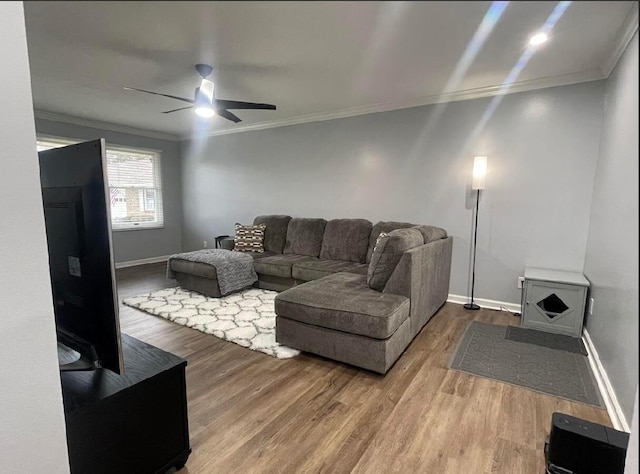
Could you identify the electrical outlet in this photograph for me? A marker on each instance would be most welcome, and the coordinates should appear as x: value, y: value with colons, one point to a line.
x: 204, y: 244
x: 591, y: 302
x: 520, y: 282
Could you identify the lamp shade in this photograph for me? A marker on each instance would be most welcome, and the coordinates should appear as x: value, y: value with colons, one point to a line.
x: 479, y: 172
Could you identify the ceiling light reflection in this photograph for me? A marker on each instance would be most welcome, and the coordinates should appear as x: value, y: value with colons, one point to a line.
x: 538, y: 39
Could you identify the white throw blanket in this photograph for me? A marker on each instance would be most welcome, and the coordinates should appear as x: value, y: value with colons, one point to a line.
x: 235, y: 269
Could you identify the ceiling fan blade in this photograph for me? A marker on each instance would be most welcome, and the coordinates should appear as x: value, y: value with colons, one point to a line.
x: 228, y: 115
x: 235, y: 104
x: 158, y: 93
x: 175, y: 110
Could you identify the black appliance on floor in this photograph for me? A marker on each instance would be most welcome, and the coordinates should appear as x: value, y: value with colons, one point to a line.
x: 577, y: 446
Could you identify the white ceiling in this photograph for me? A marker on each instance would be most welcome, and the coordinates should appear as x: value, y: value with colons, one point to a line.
x: 314, y: 60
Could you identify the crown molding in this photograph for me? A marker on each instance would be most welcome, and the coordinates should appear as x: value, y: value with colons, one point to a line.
x: 56, y: 117
x: 477, y: 93
x: 625, y: 35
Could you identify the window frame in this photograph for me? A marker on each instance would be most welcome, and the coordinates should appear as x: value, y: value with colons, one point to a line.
x: 157, y: 158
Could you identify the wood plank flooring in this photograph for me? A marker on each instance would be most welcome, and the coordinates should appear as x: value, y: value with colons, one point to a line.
x: 251, y: 413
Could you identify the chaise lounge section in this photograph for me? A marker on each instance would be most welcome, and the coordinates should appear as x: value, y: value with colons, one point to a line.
x: 341, y: 318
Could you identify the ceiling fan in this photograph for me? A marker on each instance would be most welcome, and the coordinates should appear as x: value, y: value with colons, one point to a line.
x: 204, y: 101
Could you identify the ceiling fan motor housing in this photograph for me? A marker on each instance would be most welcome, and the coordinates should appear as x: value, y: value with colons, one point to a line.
x: 204, y: 70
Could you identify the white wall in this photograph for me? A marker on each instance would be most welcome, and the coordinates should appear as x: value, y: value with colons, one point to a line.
x: 611, y: 263
x: 31, y: 415
x: 415, y: 165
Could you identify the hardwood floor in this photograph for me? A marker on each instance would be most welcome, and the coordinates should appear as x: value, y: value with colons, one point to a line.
x: 249, y: 412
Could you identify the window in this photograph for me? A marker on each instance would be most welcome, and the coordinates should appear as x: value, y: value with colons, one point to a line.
x: 134, y: 183
x: 135, y: 187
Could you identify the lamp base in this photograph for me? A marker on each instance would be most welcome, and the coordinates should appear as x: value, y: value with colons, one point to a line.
x: 472, y: 306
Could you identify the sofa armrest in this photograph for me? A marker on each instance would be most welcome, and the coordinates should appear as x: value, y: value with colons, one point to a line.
x: 423, y: 275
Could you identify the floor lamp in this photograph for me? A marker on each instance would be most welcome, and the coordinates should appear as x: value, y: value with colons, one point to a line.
x: 478, y: 183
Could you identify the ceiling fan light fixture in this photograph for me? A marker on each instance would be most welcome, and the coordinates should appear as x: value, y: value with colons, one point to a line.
x: 204, y: 99
x: 206, y: 89
x: 204, y: 111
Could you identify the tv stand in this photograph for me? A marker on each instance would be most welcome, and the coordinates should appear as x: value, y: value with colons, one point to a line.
x: 131, y: 423
x: 70, y: 360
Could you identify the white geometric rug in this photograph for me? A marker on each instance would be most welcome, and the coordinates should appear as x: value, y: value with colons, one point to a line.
x: 247, y: 318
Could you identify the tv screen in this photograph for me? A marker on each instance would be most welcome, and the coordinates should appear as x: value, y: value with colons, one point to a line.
x: 78, y: 224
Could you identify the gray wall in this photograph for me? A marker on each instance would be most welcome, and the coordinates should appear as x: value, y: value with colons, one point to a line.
x: 612, y: 252
x: 138, y: 244
x: 32, y: 429
x: 415, y: 165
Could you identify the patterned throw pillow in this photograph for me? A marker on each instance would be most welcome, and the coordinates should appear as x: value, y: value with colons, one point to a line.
x: 380, y: 237
x: 249, y: 238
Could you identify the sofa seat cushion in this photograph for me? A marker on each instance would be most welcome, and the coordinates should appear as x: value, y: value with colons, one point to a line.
x: 358, y: 268
x: 314, y: 269
x: 266, y: 253
x: 304, y: 236
x: 279, y: 265
x: 346, y: 239
x: 344, y: 302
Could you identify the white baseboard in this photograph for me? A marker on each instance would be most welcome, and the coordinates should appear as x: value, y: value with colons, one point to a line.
x: 142, y: 261
x: 484, y: 303
x: 606, y: 390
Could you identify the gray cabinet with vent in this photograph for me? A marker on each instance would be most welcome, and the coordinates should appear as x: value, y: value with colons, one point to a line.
x: 554, y: 301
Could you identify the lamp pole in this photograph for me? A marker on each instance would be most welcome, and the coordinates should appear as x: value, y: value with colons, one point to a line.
x: 472, y: 305
x: 478, y: 183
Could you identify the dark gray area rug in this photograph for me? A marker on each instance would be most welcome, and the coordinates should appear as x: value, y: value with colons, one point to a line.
x: 546, y: 339
x: 484, y: 350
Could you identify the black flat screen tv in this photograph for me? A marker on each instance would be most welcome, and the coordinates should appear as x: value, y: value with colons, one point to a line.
x: 78, y: 225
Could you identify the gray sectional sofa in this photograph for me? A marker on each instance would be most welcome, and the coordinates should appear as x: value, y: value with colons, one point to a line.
x: 333, y: 300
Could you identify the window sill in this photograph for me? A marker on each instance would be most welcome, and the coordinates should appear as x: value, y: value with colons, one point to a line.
x: 137, y: 228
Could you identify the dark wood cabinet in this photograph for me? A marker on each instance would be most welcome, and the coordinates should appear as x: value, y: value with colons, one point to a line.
x: 131, y: 423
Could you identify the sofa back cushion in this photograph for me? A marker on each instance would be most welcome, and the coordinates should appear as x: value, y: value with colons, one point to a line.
x: 346, y: 239
x: 383, y: 226
x: 304, y: 236
x: 388, y: 252
x: 431, y: 233
x: 275, y: 232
